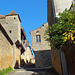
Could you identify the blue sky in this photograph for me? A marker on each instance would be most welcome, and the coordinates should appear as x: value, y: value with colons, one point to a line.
x: 33, y: 13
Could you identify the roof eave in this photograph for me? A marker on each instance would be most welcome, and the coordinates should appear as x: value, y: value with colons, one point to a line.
x: 14, y: 14
x: 23, y: 32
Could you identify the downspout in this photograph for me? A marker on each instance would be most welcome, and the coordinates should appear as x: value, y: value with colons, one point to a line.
x: 13, y: 55
x: 53, y: 7
x: 63, y: 62
x: 20, y: 56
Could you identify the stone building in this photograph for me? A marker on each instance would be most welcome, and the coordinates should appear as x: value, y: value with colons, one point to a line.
x: 28, y: 53
x: 41, y: 47
x: 27, y: 56
x: 54, y: 7
x: 11, y: 24
x: 6, y: 49
x: 59, y: 57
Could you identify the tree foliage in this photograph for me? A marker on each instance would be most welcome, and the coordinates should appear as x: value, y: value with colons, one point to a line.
x: 63, y: 31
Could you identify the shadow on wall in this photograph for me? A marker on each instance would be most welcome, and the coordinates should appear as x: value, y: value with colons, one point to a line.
x: 22, y: 63
x: 26, y: 65
x: 16, y: 65
x: 43, y: 58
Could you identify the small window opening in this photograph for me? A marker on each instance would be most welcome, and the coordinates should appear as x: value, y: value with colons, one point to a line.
x: 14, y: 18
x: 10, y: 31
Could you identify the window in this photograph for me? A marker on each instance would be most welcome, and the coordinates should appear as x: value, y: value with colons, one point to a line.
x: 38, y: 38
x: 9, y: 31
x: 14, y: 18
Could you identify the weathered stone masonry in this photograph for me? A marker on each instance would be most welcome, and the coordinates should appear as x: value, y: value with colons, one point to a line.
x: 42, y: 49
x: 6, y: 49
x: 11, y: 24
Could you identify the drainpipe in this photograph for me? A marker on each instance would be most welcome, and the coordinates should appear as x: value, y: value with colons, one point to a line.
x: 53, y: 6
x: 13, y: 55
x: 20, y: 56
x: 63, y: 62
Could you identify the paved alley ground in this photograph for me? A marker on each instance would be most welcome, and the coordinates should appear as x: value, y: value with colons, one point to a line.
x: 34, y: 71
x: 21, y: 72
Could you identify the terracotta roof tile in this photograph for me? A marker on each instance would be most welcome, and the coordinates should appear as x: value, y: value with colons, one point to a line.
x: 2, y: 16
x: 12, y: 13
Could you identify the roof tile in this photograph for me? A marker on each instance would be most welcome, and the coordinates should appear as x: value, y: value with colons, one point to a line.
x: 12, y: 13
x: 2, y: 16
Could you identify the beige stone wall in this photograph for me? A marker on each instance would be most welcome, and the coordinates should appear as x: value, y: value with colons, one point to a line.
x: 43, y: 45
x: 12, y: 26
x: 42, y: 49
x: 33, y: 61
x: 56, y: 63
x: 17, y: 57
x: 12, y: 23
x: 27, y: 55
x: 6, y: 52
x: 43, y: 59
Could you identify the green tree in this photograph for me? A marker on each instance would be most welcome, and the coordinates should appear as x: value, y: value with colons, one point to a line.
x: 63, y: 31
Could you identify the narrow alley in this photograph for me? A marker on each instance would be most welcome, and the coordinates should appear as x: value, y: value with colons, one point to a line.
x: 37, y: 37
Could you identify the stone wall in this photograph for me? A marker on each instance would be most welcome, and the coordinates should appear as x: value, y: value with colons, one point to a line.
x: 6, y: 52
x: 41, y: 49
x: 27, y: 56
x: 43, y: 45
x: 43, y: 58
x: 50, y: 12
x: 17, y: 57
x: 12, y: 26
x: 56, y: 62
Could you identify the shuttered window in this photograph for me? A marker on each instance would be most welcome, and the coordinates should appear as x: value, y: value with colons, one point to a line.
x: 38, y: 38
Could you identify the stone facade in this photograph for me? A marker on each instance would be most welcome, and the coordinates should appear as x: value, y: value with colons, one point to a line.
x: 41, y: 47
x: 54, y: 7
x: 6, y: 50
x: 56, y: 62
x: 27, y: 55
x: 11, y: 24
x: 17, y: 57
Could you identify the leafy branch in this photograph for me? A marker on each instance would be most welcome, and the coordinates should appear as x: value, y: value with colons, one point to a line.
x: 63, y: 31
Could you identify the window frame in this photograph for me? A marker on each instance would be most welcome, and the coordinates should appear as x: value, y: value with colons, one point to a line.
x: 38, y: 38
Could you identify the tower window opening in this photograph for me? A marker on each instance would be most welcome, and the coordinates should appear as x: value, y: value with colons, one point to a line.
x: 10, y: 31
